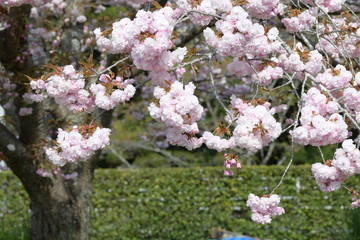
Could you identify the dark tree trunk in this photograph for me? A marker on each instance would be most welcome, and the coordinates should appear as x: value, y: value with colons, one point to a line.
x: 61, y: 217
x: 61, y: 208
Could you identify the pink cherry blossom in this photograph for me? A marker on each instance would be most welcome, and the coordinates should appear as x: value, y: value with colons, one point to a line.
x: 77, y: 145
x: 264, y: 208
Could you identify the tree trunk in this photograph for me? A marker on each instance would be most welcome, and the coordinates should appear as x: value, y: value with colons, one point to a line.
x: 61, y: 219
x: 61, y: 208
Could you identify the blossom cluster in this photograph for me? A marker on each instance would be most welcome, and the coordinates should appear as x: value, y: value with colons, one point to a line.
x: 107, y: 98
x: 67, y: 88
x: 216, y: 142
x: 261, y: 72
x: 334, y: 78
x: 264, y: 9
x: 209, y: 7
x: 341, y: 39
x: 264, y: 208
x: 148, y: 39
x: 327, y: 5
x: 302, y: 21
x: 179, y: 109
x: 320, y: 123
x: 301, y: 60
x: 78, y: 145
x: 346, y: 163
x: 231, y: 162
x: 238, y: 36
x: 255, y: 126
x: 352, y: 98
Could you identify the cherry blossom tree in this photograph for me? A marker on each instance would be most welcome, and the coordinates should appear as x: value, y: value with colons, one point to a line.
x: 276, y: 68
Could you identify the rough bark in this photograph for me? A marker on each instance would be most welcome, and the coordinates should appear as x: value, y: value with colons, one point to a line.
x: 61, y: 209
x: 61, y: 220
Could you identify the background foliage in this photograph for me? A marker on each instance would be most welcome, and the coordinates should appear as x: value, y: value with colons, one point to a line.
x: 180, y: 203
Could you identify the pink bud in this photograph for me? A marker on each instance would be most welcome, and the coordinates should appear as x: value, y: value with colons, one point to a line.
x: 228, y: 166
x: 233, y: 162
x: 228, y: 173
x: 238, y: 165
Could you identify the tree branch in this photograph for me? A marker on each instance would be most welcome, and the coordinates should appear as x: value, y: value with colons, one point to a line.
x: 18, y: 160
x: 32, y: 127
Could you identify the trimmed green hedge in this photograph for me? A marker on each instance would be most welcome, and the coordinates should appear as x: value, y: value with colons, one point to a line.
x: 187, y: 203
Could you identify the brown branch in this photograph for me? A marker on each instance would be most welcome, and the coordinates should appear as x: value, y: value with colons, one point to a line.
x: 32, y: 127
x: 18, y: 160
x: 193, y: 34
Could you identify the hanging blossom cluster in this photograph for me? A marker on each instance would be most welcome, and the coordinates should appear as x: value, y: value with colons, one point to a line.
x: 300, y: 20
x: 335, y: 78
x: 216, y: 142
x: 232, y: 161
x: 209, y: 7
x: 352, y: 98
x: 327, y: 5
x: 148, y: 39
x: 106, y: 97
x: 261, y: 72
x: 66, y: 86
x: 264, y: 208
x: 238, y: 36
x: 333, y: 173
x: 301, y: 60
x: 78, y: 145
x: 255, y: 127
x: 355, y: 198
x: 264, y: 9
x: 320, y: 123
x: 179, y: 109
x: 340, y: 40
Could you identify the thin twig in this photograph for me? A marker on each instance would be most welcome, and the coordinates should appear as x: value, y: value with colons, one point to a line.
x: 120, y: 157
x: 321, y: 153
x: 215, y: 91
